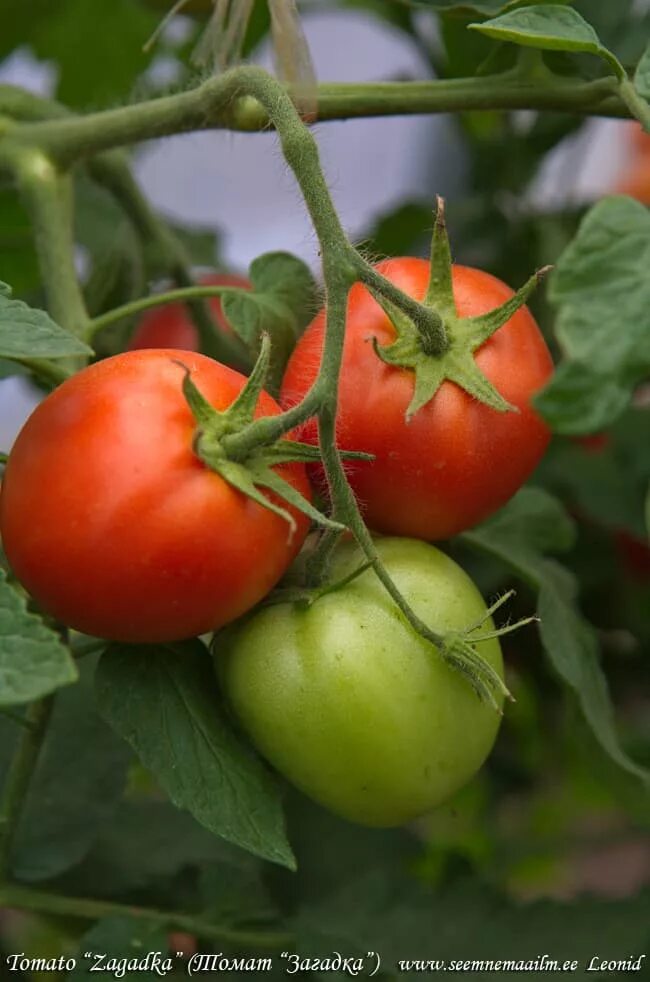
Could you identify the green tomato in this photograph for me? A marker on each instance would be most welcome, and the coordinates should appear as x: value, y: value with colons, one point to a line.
x: 349, y: 703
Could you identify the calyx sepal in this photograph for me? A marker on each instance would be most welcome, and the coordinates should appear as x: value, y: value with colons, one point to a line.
x: 253, y: 472
x: 443, y: 344
x: 459, y: 650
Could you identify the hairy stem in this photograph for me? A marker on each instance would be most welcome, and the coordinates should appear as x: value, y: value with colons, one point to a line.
x: 638, y: 106
x: 159, y: 300
x: 19, y: 776
x: 24, y: 898
x: 48, y: 196
x: 229, y: 102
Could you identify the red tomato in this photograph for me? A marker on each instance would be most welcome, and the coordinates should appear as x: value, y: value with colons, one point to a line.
x: 457, y: 460
x: 116, y: 527
x: 171, y: 326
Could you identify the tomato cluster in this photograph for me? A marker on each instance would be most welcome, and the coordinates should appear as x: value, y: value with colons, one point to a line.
x: 117, y: 527
x: 456, y: 460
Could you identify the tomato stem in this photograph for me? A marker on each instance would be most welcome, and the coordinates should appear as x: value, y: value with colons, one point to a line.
x: 638, y: 106
x: 48, y: 196
x: 135, y: 307
x: 20, y: 773
x: 25, y: 898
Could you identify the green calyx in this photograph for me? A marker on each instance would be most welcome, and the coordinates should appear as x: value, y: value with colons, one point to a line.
x: 439, y: 344
x: 251, y: 470
x: 459, y: 650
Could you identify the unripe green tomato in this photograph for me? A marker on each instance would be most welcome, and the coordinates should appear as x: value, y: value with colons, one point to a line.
x: 349, y: 703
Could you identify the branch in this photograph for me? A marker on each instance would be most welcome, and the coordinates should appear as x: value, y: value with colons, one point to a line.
x: 24, y: 898
x: 48, y: 196
x: 637, y: 105
x: 219, y: 103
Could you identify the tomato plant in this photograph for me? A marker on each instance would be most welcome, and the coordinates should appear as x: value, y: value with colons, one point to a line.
x: 456, y: 460
x: 115, y: 525
x: 203, y: 707
x: 171, y: 326
x: 348, y: 702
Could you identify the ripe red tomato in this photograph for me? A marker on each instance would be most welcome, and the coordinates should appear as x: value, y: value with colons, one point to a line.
x: 457, y: 460
x: 115, y: 526
x: 170, y: 326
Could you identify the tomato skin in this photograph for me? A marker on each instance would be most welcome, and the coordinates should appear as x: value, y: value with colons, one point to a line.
x: 170, y: 326
x: 457, y: 460
x: 116, y: 527
x: 347, y: 702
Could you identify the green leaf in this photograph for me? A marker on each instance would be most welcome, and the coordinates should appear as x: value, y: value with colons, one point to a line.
x: 602, y: 290
x: 78, y: 780
x: 289, y: 278
x: 532, y: 524
x: 406, y: 922
x: 642, y: 75
x: 9, y: 368
x: 281, y: 304
x: 551, y: 28
x: 107, y: 54
x: 201, y: 248
x: 119, y: 938
x: 164, y: 701
x: 607, y: 487
x: 33, y: 660
x: 398, y: 231
x: 18, y: 261
x: 29, y: 333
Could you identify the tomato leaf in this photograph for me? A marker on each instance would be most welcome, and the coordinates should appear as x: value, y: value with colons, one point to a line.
x: 551, y: 28
x: 119, y: 938
x: 79, y: 777
x: 601, y: 288
x: 642, y: 75
x: 107, y: 54
x: 18, y: 260
x: 609, y: 486
x: 280, y: 304
x: 164, y: 701
x: 532, y: 524
x: 29, y: 333
x: 33, y: 660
